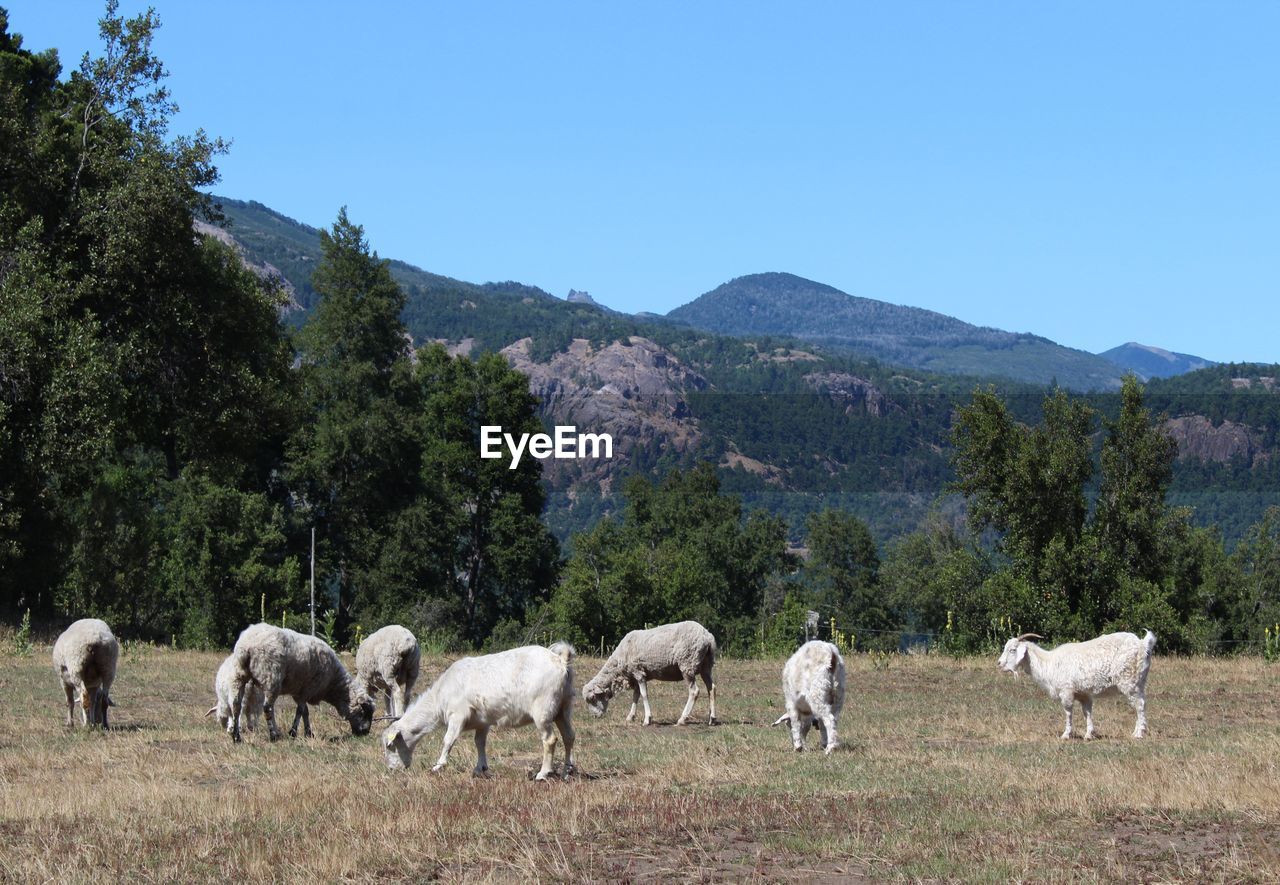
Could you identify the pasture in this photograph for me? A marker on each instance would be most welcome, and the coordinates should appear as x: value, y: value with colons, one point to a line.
x: 949, y: 770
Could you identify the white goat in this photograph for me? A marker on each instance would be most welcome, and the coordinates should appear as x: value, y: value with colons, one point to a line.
x: 813, y: 684
x: 1117, y: 663
x: 512, y: 688
x: 388, y: 661
x: 281, y: 661
x: 85, y: 657
x: 668, y: 653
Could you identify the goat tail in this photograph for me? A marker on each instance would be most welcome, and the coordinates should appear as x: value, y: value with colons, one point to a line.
x: 564, y: 650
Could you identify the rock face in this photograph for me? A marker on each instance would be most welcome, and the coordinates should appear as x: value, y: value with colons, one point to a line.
x: 634, y: 391
x: 1197, y: 437
x: 856, y: 393
x: 264, y: 271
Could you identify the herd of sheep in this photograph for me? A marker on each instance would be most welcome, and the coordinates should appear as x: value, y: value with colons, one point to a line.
x: 534, y: 685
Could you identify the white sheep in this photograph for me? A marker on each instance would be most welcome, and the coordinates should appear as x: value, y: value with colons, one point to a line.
x: 668, y: 653
x: 1117, y: 663
x: 281, y: 661
x: 387, y: 662
x: 813, y: 684
x: 512, y: 688
x: 225, y: 693
x: 85, y: 657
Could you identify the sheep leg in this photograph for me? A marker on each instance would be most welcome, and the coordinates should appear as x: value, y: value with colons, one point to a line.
x: 1068, y: 701
x: 103, y: 703
x: 237, y: 707
x: 711, y: 695
x: 482, y: 760
x: 548, y: 735
x: 644, y: 696
x: 450, y: 738
x: 635, y: 699
x: 692, y: 683
x: 829, y: 732
x: 1086, y: 704
x: 397, y: 700
x: 268, y: 707
x: 82, y: 695
x: 302, y: 712
x: 1139, y: 703
x: 71, y: 704
x: 797, y: 738
x: 565, y: 725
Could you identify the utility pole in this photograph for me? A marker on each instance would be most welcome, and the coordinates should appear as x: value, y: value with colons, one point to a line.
x: 313, y: 580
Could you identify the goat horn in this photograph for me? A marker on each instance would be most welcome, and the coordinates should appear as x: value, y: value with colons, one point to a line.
x: 1026, y: 636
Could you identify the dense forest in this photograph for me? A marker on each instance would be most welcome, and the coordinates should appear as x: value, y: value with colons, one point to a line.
x: 180, y: 411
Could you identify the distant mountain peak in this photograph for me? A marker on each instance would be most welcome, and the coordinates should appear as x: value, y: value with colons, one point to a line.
x: 791, y: 306
x: 1147, y: 361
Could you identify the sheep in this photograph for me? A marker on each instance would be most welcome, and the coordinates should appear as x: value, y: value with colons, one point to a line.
x: 224, y: 692
x: 512, y: 688
x: 813, y: 684
x: 388, y: 662
x: 1082, y: 671
x: 668, y: 653
x: 85, y: 657
x: 281, y: 661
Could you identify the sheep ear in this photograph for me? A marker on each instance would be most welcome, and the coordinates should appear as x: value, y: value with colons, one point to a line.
x: 389, y: 736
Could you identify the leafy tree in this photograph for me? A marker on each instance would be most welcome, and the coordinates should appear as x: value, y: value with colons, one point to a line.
x: 681, y: 550
x: 127, y: 344
x: 842, y: 573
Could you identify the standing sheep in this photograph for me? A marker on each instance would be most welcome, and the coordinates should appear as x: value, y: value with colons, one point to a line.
x: 1081, y: 671
x: 281, y: 661
x: 85, y: 657
x: 668, y: 653
x: 225, y: 693
x: 387, y: 662
x: 512, y: 688
x: 813, y: 684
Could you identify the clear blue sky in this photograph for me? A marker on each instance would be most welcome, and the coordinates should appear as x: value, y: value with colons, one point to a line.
x: 1094, y: 172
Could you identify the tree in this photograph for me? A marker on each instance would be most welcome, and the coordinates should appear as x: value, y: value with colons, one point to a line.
x: 842, y: 573
x: 127, y: 343
x: 681, y: 550
x: 352, y: 462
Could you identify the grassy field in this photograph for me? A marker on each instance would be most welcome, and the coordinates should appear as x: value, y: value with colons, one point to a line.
x: 949, y: 771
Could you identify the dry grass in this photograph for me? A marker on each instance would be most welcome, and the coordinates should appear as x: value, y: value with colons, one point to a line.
x: 949, y: 771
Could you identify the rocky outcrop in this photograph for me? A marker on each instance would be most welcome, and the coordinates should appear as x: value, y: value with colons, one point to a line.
x: 1197, y: 437
x: 634, y: 391
x: 265, y: 272
x: 858, y: 394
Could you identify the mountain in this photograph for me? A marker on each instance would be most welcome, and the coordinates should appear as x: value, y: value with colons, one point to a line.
x: 1147, y: 362
x: 787, y: 305
x: 793, y: 427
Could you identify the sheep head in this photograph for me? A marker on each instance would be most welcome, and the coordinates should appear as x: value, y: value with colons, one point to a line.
x: 1015, y: 652
x: 360, y: 715
x: 597, y: 695
x: 399, y: 755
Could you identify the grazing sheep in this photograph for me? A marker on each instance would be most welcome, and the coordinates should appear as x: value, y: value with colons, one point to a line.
x: 1082, y: 671
x: 281, y: 661
x: 668, y: 653
x: 512, y: 688
x: 224, y: 692
x: 813, y: 689
x: 85, y: 656
x: 387, y: 662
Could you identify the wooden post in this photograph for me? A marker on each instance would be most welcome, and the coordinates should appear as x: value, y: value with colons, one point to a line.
x: 313, y: 580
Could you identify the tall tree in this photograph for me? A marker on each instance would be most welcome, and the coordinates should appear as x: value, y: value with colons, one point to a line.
x: 351, y: 462
x: 126, y: 341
